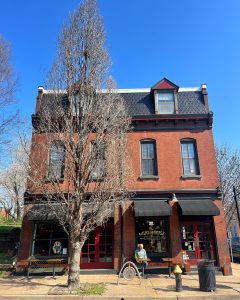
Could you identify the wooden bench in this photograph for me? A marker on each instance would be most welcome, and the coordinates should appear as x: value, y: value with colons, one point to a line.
x: 35, y: 263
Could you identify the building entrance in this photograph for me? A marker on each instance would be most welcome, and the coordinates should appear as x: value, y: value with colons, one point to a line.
x: 97, y: 252
x: 197, y: 240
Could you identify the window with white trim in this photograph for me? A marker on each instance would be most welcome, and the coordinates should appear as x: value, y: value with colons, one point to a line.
x: 165, y: 102
x: 98, y: 160
x: 56, y: 161
x: 189, y: 158
x: 148, y: 158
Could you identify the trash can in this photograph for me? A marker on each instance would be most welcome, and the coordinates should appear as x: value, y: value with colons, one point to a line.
x: 206, y: 273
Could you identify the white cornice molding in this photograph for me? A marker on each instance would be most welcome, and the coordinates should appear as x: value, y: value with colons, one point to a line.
x: 121, y: 91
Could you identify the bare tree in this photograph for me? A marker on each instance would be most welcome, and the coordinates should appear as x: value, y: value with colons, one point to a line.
x: 228, y: 161
x: 13, y: 182
x: 79, y: 163
x: 8, y: 86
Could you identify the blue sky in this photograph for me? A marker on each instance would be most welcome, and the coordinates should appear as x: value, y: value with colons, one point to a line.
x: 189, y: 42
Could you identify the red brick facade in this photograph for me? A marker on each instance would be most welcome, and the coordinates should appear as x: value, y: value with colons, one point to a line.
x: 169, y: 181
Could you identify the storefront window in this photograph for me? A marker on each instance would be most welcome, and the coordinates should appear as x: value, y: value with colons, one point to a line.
x: 49, y: 240
x: 153, y: 234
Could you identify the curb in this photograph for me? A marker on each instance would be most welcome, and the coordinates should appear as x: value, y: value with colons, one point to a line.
x: 177, y: 297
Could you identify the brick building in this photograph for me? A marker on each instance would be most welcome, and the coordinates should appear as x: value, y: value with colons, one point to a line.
x: 176, y: 205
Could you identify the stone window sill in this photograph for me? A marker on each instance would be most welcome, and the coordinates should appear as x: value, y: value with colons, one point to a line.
x: 191, y: 176
x: 47, y: 180
x: 96, y: 179
x: 145, y: 177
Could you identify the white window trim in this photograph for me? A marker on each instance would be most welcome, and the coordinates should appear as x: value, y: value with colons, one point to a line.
x: 157, y: 110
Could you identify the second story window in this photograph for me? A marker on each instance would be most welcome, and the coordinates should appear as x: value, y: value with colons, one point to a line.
x: 98, y: 160
x: 189, y: 158
x: 165, y: 102
x: 148, y: 158
x: 56, y: 161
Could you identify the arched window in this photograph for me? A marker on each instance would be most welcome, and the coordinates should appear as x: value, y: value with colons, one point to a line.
x: 189, y: 157
x: 56, y: 161
x: 148, y: 158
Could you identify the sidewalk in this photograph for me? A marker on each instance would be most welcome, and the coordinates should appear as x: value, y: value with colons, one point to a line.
x: 154, y: 287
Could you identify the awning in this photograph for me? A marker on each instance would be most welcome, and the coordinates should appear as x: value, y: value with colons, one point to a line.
x: 198, y: 208
x: 144, y: 208
x: 45, y: 211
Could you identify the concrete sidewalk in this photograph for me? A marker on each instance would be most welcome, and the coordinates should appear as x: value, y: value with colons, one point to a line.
x: 154, y: 287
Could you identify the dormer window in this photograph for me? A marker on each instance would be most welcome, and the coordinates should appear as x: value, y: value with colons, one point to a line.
x: 165, y: 97
x: 165, y: 103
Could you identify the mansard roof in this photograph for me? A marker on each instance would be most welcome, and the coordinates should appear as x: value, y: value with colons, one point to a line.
x: 140, y: 102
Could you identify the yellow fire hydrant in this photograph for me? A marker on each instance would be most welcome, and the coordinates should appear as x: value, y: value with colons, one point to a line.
x: 177, y: 272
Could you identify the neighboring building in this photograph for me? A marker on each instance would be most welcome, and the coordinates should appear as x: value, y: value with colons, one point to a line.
x: 4, y: 213
x: 176, y: 205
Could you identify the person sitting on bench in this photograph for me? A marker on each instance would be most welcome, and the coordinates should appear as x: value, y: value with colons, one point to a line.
x: 141, y: 256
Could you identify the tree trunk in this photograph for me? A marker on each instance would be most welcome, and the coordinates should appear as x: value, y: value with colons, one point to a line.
x: 74, y: 266
x: 18, y: 210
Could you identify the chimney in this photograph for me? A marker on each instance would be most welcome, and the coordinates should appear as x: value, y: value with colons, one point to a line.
x: 39, y: 98
x: 205, y: 95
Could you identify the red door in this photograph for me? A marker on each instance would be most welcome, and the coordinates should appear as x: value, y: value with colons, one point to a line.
x: 97, y: 252
x: 197, y: 241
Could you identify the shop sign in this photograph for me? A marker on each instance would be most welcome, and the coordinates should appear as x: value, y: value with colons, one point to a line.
x: 152, y: 234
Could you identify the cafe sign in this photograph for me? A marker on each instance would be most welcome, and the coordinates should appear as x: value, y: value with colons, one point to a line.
x: 148, y: 235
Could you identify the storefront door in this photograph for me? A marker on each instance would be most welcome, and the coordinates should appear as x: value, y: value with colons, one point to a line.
x: 197, y: 241
x: 97, y: 252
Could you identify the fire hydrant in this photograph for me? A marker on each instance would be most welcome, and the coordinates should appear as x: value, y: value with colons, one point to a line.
x: 177, y: 272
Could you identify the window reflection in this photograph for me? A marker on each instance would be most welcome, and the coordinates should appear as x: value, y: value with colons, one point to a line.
x: 153, y: 234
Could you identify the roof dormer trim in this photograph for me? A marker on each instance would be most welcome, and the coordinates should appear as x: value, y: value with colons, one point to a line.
x: 165, y: 84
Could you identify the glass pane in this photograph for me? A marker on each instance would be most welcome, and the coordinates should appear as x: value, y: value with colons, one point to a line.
x: 85, y: 248
x: 91, y: 239
x: 204, y: 255
x: 56, y: 161
x: 108, y: 257
x: 184, y: 150
x: 43, y: 231
x: 102, y: 248
x: 148, y: 150
x: 41, y: 248
x: 192, y: 166
x: 58, y: 232
x: 91, y: 258
x: 151, y: 153
x: 108, y: 231
x: 109, y: 239
x: 91, y: 248
x: 191, y: 152
x: 144, y: 150
x: 191, y: 254
x: 152, y: 233
x: 165, y: 96
x: 109, y: 248
x: 98, y: 168
x: 166, y: 107
x: 148, y: 167
x: 102, y: 258
x: 84, y: 258
x: 186, y: 166
x: 102, y: 239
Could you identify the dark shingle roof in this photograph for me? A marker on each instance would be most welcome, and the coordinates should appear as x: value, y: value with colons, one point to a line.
x: 139, y: 103
x: 142, y: 103
x: 191, y: 103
